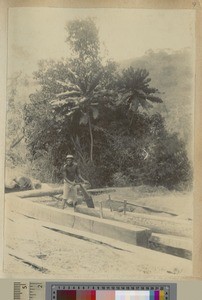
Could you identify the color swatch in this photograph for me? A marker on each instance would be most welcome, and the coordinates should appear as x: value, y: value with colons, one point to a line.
x: 110, y: 295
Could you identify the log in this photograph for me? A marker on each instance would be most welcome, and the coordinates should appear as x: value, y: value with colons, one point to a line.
x: 40, y: 193
x: 100, y: 191
x: 55, y: 191
x: 88, y: 211
x: 146, y: 208
x: 173, y: 245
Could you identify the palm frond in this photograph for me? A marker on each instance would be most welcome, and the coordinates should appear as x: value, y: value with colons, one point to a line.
x: 70, y: 86
x: 153, y: 98
x: 69, y: 94
x: 84, y: 119
x: 59, y: 103
x: 95, y: 82
x: 134, y: 104
x: 145, y: 104
x: 95, y: 112
x: 72, y: 75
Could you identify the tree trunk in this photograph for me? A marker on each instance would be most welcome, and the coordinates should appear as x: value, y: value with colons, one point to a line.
x: 15, y: 143
x: 91, y: 139
x: 78, y: 151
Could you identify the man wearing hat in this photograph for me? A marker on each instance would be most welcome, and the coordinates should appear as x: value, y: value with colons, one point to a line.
x: 71, y: 175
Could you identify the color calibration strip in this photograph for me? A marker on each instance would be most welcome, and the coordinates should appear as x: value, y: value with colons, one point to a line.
x: 110, y: 295
x: 110, y: 291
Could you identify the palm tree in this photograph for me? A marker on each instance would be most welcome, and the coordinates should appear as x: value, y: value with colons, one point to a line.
x: 85, y: 94
x: 134, y: 90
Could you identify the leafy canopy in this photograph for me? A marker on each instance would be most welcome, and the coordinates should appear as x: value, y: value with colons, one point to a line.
x: 83, y: 106
x: 83, y: 39
x: 133, y: 86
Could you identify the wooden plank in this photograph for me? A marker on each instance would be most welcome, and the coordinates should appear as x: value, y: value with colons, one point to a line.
x: 101, y: 210
x: 88, y: 199
x: 30, y: 261
x: 110, y: 203
x: 124, y: 206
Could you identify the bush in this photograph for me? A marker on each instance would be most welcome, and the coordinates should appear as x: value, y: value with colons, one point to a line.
x: 43, y: 169
x: 147, y: 154
x: 120, y: 180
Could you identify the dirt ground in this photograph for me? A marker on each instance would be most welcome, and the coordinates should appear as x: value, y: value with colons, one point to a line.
x: 63, y: 255
x: 66, y: 256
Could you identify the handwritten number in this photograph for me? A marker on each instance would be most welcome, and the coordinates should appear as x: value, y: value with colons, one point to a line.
x: 24, y: 287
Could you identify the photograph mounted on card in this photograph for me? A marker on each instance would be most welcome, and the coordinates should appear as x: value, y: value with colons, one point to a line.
x: 99, y: 143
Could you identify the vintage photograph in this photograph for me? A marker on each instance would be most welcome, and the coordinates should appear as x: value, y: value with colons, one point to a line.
x: 99, y: 143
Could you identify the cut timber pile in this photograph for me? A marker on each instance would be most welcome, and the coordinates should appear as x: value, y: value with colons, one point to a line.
x: 169, y: 235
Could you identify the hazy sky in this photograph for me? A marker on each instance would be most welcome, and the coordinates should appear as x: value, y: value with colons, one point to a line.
x: 38, y: 33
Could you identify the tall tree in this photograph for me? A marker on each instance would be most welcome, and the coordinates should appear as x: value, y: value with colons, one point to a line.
x: 83, y: 105
x: 135, y: 91
x: 83, y: 39
x: 88, y: 85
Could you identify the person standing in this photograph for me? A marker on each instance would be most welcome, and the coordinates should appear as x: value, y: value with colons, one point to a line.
x: 71, y: 175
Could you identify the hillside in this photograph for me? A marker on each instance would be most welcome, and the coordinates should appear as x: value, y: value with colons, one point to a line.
x: 172, y: 73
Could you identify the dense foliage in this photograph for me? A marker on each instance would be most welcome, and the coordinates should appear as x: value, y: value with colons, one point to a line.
x: 88, y: 107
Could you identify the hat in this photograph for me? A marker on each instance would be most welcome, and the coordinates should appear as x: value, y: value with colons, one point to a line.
x: 70, y: 156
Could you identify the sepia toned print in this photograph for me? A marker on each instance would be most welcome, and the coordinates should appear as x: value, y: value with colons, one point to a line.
x: 99, y: 143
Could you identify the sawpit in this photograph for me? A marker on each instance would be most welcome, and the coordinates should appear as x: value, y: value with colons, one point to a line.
x: 123, y: 232
x: 166, y: 234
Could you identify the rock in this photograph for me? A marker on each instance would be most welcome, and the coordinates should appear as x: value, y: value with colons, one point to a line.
x: 120, y: 209
x: 22, y: 183
x: 36, y: 184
